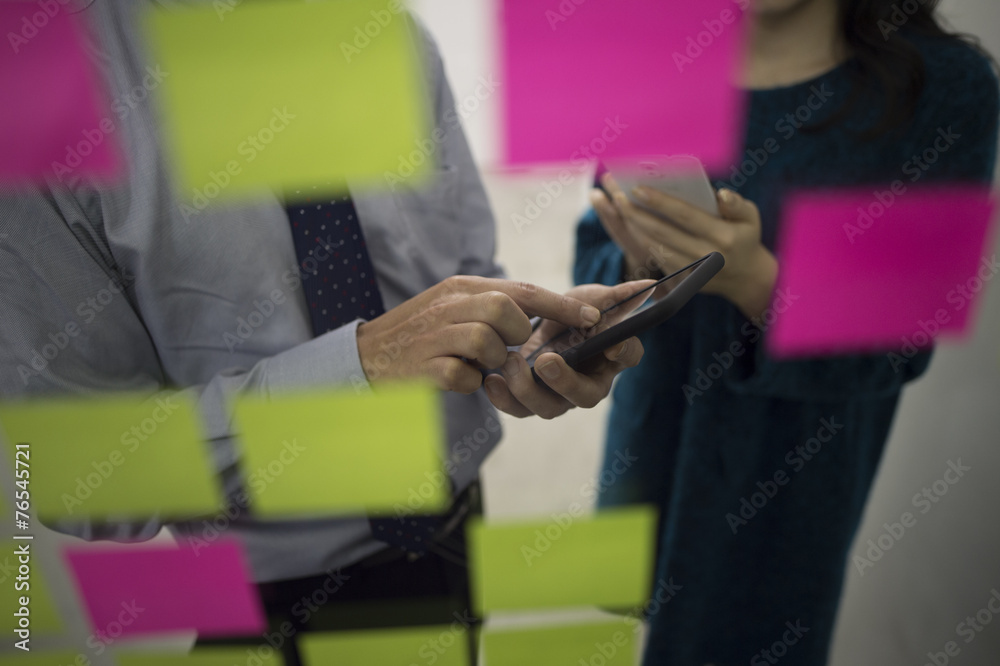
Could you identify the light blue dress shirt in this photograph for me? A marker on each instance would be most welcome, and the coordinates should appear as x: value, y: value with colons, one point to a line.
x: 156, y: 297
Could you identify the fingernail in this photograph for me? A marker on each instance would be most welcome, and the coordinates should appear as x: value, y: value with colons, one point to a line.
x: 511, y: 367
x: 590, y: 315
x: 550, y: 370
x: 726, y: 196
x: 622, y: 348
x: 640, y: 193
x: 491, y: 389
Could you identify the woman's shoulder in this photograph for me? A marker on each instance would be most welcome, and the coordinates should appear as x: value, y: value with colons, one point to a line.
x: 955, y: 69
x: 961, y: 96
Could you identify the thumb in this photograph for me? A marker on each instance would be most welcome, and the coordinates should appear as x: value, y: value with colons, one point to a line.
x: 734, y: 207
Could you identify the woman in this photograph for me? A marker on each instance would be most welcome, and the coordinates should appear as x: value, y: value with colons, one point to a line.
x: 760, y: 577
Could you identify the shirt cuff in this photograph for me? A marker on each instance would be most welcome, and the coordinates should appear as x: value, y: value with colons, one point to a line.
x: 329, y: 359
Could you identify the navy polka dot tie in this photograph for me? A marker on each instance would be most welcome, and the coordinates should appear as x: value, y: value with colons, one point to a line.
x: 338, y: 281
x: 338, y: 278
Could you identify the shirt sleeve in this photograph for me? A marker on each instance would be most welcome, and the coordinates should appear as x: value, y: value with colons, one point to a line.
x: 323, y: 362
x: 73, y: 327
x: 475, y: 217
x: 598, y: 259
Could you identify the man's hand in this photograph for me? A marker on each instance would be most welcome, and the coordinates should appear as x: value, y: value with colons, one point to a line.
x: 516, y: 392
x: 459, y: 327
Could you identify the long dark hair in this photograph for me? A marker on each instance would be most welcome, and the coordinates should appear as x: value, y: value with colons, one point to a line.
x: 885, y: 62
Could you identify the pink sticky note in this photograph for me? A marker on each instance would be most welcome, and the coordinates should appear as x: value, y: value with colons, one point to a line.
x: 146, y: 590
x: 610, y: 79
x: 54, y: 120
x: 881, y: 270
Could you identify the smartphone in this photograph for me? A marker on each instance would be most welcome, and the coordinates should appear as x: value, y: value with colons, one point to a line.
x: 680, y: 176
x: 636, y: 314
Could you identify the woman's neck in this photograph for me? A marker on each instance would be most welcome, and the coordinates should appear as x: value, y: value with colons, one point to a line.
x: 794, y: 45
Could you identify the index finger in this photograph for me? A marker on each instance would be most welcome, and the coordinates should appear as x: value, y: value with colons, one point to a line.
x: 536, y: 301
x: 685, y: 216
x: 616, y: 302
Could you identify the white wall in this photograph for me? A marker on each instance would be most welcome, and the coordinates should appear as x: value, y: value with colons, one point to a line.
x: 942, y: 570
x: 466, y: 33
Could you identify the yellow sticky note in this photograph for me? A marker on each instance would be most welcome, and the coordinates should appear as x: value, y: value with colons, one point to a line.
x: 287, y: 95
x: 443, y: 645
x: 42, y: 658
x: 115, y: 457
x: 335, y: 451
x: 603, y: 560
x: 610, y: 643
x: 39, y: 611
x: 262, y: 655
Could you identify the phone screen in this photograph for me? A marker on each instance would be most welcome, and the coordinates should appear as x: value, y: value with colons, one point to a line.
x: 616, y: 313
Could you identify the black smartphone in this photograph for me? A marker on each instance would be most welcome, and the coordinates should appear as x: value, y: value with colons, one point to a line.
x: 636, y: 314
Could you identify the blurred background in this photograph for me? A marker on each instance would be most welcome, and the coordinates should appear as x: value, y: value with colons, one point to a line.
x: 940, y: 571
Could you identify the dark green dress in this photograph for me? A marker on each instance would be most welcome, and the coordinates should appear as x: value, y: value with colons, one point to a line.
x: 760, y: 564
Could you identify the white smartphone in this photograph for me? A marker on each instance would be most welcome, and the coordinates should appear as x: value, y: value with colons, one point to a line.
x: 681, y: 176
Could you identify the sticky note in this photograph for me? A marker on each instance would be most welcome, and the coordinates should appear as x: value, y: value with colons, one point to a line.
x: 335, y: 451
x: 263, y: 655
x: 387, y: 647
x: 290, y: 94
x: 45, y: 658
x: 876, y: 270
x: 55, y: 121
x: 41, y: 611
x: 118, y: 456
x: 602, y: 560
x: 612, y: 79
x: 612, y: 643
x: 148, y: 590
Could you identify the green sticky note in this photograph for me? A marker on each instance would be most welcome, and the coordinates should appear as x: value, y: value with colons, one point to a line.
x: 288, y: 95
x: 41, y: 611
x: 114, y: 457
x: 337, y: 452
x: 444, y: 645
x: 610, y: 643
x: 601, y: 560
x: 44, y: 658
x: 262, y: 655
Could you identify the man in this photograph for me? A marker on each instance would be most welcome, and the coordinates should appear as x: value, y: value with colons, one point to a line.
x: 231, y: 300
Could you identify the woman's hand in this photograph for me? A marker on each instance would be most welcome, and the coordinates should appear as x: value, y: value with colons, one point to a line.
x: 669, y: 233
